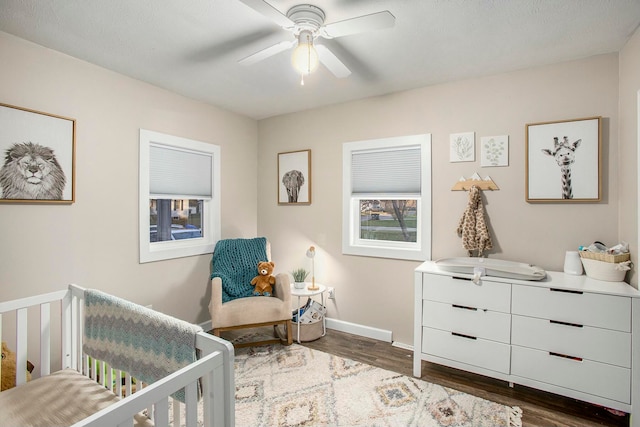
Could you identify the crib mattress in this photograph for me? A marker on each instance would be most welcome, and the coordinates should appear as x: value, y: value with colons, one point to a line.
x: 60, y: 399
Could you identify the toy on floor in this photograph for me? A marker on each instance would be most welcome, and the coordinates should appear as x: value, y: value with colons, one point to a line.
x: 264, y: 281
x: 9, y: 368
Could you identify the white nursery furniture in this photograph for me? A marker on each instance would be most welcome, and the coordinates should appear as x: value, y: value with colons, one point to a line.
x: 571, y: 335
x: 71, y: 388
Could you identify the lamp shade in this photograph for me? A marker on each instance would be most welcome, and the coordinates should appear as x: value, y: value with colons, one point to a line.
x: 311, y: 252
x: 305, y: 57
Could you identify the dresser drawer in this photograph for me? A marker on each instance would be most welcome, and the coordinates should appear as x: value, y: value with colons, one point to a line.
x: 477, y: 352
x: 583, y: 308
x: 597, y: 344
x: 491, y: 325
x: 486, y: 295
x: 599, y: 379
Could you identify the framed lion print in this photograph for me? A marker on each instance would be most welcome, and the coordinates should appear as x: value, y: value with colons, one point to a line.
x: 38, y: 156
x: 294, y: 178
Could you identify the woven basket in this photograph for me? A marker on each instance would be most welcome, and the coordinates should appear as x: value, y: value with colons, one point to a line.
x: 605, y: 257
x: 308, y: 331
x: 602, y: 270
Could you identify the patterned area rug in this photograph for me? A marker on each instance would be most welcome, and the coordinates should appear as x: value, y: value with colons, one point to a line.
x: 297, y: 386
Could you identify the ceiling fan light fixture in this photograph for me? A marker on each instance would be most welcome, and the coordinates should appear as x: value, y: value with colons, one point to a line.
x: 305, y: 57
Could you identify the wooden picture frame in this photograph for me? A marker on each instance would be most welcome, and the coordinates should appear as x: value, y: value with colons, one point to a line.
x: 563, y: 161
x: 38, y: 152
x: 294, y: 178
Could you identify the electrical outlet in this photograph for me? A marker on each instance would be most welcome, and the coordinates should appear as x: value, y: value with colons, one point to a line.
x: 332, y: 293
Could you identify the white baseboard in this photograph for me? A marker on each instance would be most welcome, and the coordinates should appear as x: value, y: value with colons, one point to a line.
x: 364, y: 331
x: 402, y: 345
x: 351, y: 328
x: 206, y: 326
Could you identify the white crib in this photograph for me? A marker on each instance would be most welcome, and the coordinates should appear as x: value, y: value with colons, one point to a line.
x: 147, y: 405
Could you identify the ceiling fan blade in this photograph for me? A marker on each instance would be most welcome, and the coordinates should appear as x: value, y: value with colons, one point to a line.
x: 332, y: 62
x: 361, y: 24
x: 269, y: 11
x: 265, y: 53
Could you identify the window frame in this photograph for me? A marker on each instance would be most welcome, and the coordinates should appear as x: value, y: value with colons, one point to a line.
x: 211, y: 224
x: 352, y: 243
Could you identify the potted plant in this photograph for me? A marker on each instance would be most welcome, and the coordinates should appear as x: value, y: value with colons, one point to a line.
x: 299, y: 275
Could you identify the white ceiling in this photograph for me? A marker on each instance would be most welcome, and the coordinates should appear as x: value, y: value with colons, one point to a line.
x: 192, y: 46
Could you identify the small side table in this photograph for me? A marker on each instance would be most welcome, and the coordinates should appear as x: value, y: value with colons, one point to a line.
x: 306, y: 293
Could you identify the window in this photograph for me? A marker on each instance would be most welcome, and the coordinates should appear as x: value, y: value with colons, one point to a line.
x: 387, y: 198
x: 179, y: 196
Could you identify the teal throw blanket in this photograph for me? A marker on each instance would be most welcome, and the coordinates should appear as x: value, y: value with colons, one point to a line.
x: 145, y: 343
x: 235, y: 261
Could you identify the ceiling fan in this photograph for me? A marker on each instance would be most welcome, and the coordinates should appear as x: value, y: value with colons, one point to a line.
x: 306, y: 23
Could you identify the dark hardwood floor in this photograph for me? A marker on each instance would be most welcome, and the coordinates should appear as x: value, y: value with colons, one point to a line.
x: 540, y: 409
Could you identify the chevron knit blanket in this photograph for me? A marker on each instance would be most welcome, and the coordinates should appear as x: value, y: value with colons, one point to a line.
x: 235, y: 261
x: 145, y: 343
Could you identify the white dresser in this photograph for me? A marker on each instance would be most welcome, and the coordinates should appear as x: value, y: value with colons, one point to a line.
x: 569, y: 335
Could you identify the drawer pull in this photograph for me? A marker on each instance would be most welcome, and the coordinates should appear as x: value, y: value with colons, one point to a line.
x: 557, y: 322
x: 565, y: 356
x: 464, y: 307
x: 463, y: 336
x: 566, y: 291
x: 461, y: 278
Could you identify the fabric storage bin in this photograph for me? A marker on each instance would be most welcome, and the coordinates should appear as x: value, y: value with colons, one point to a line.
x: 308, y: 331
x: 602, y: 270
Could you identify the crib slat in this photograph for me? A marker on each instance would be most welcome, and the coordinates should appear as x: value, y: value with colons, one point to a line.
x: 118, y: 383
x: 102, y: 372
x: 94, y: 370
x: 109, y: 376
x: 127, y: 384
x: 149, y: 408
x: 191, y: 404
x: 66, y: 359
x: 176, y: 413
x: 75, y: 333
x: 79, y: 321
x: 161, y: 413
x: 21, y: 346
x: 45, y: 339
x: 213, y: 385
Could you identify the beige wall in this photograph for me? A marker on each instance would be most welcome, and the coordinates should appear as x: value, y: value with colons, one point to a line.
x: 628, y: 157
x: 379, y: 292
x: 94, y: 242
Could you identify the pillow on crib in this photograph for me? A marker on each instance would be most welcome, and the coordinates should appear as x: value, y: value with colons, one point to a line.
x: 234, y: 261
x: 9, y: 368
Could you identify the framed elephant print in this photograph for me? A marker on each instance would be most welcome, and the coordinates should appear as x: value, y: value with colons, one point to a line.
x: 563, y: 161
x: 294, y: 178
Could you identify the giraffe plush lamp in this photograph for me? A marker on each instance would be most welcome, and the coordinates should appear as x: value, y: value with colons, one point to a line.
x: 311, y: 253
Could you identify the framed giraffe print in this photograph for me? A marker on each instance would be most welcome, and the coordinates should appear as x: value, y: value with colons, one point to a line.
x: 563, y: 161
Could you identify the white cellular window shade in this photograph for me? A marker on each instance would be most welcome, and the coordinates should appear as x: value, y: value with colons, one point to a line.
x: 182, y: 171
x: 176, y: 173
x: 388, y: 171
x: 386, y: 198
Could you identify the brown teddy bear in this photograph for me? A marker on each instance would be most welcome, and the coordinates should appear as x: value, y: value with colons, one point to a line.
x: 264, y: 281
x: 9, y: 368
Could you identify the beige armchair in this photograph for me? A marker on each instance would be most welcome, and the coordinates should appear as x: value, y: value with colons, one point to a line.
x: 251, y: 311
